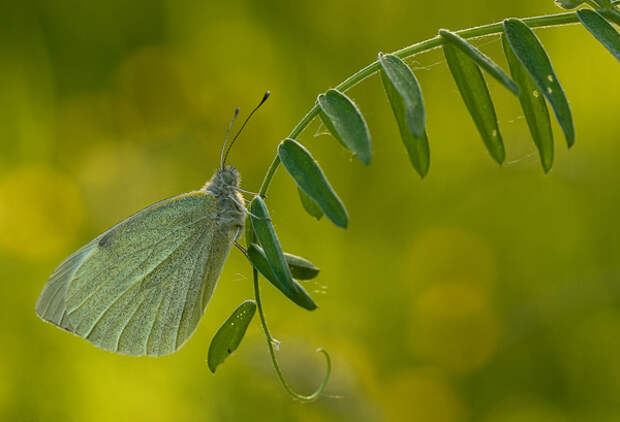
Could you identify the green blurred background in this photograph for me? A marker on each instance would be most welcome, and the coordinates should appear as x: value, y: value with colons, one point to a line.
x: 479, y: 294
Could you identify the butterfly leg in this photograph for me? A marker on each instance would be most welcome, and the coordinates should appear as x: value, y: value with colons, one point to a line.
x: 237, y: 244
x: 241, y: 248
x: 245, y: 210
x: 249, y: 192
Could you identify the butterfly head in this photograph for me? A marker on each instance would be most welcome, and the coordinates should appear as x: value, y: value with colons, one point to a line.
x: 229, y: 176
x: 224, y: 182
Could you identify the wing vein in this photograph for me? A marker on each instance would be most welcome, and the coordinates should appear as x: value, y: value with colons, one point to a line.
x: 51, y: 299
x: 152, y: 246
x: 189, y: 284
x: 129, y: 288
x: 120, y: 335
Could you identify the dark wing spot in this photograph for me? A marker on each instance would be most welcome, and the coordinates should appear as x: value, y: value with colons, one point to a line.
x: 229, y: 351
x: 105, y: 240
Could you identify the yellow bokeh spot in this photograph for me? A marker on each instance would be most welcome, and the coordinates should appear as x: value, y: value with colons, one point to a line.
x: 422, y: 395
x: 40, y: 212
x: 446, y: 254
x: 138, y: 390
x: 454, y: 326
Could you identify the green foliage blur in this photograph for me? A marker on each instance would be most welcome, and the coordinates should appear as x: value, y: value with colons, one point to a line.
x: 479, y: 294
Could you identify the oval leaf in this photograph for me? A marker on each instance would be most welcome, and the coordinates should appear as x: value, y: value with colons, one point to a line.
x: 404, y: 82
x: 229, y: 335
x: 301, y: 268
x: 534, y: 108
x: 534, y: 58
x: 345, y: 122
x: 405, y: 96
x: 310, y: 178
x: 292, y: 290
x: 476, y: 96
x: 602, y: 30
x: 309, y: 205
x: 266, y: 235
x: 480, y: 58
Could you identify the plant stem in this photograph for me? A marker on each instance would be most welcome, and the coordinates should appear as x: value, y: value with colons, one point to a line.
x: 558, y: 19
x: 272, y: 352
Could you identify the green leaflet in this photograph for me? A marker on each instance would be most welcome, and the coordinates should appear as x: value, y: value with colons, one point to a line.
x: 476, y: 96
x: 293, y: 290
x: 310, y: 178
x: 229, y: 335
x: 266, y: 235
x: 405, y: 96
x: 404, y: 82
x: 532, y: 55
x: 569, y: 4
x: 345, y: 122
x: 309, y: 205
x: 534, y: 107
x: 481, y: 59
x: 602, y: 30
x: 301, y: 268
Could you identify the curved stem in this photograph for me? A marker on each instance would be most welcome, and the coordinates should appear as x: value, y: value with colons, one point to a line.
x: 558, y: 19
x: 272, y: 352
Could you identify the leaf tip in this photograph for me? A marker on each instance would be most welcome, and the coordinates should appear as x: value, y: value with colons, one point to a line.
x: 499, y: 155
x: 312, y: 306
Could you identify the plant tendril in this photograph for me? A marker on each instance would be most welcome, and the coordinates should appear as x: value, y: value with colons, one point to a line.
x: 270, y: 343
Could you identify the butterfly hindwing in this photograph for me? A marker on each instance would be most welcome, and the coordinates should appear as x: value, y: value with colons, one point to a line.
x: 141, y: 287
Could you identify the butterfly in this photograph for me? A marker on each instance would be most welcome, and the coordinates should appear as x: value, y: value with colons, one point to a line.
x: 141, y: 287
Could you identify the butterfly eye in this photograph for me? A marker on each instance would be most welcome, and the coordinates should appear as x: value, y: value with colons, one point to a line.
x: 228, y: 178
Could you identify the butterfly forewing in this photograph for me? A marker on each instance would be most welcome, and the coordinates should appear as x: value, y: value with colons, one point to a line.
x: 51, y: 303
x: 142, y: 286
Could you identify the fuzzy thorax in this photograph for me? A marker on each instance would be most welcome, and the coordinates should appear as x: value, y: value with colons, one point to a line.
x: 224, y: 185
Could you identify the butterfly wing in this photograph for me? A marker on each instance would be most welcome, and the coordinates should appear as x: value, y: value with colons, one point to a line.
x: 51, y: 303
x: 141, y: 287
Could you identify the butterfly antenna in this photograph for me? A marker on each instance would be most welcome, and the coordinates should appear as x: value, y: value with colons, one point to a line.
x: 225, y: 155
x: 227, y: 135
